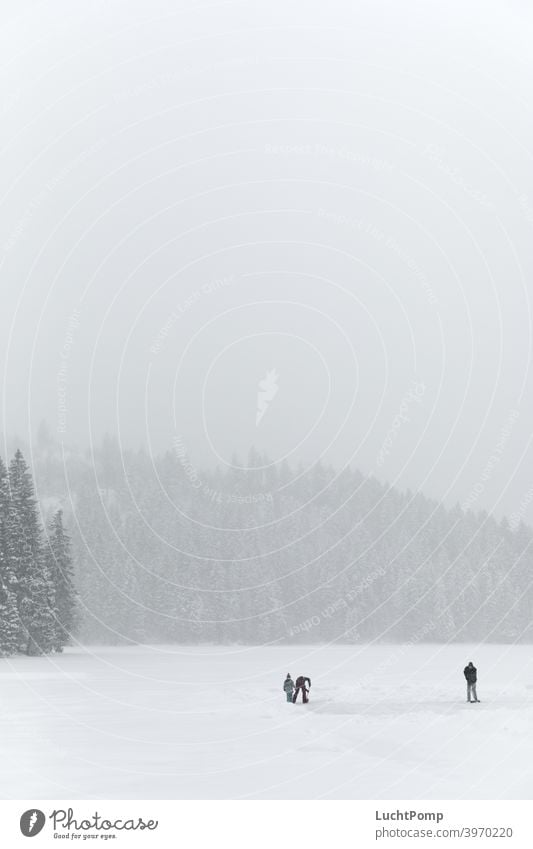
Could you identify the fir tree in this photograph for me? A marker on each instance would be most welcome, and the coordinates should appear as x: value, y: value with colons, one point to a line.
x: 10, y: 626
x: 58, y: 566
x: 35, y: 592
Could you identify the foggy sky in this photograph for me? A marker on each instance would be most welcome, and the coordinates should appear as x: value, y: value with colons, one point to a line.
x: 194, y: 195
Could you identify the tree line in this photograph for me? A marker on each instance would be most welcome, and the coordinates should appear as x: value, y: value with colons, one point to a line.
x: 270, y: 553
x: 258, y: 553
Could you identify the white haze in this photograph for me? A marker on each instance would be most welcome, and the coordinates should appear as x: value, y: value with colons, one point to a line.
x: 196, y: 194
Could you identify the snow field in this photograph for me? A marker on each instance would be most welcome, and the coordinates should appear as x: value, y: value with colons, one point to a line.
x: 164, y: 722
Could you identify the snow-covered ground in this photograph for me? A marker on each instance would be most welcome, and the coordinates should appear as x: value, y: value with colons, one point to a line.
x: 202, y: 722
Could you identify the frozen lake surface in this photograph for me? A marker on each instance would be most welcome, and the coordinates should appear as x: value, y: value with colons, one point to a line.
x: 203, y: 722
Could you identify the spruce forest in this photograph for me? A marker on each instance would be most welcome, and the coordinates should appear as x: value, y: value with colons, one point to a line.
x: 164, y: 553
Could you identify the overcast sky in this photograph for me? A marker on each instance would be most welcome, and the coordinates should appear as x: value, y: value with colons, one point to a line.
x: 334, y: 199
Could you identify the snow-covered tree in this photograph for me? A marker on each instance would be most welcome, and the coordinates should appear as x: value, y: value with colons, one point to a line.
x: 59, y: 569
x: 24, y: 544
x: 10, y: 624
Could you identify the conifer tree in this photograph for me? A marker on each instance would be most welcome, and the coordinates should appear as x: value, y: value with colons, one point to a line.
x: 34, y: 588
x: 59, y: 568
x: 10, y: 626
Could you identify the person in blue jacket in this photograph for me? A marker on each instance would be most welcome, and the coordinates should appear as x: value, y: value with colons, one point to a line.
x: 288, y: 686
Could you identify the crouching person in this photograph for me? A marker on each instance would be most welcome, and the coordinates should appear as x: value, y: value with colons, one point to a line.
x: 303, y: 684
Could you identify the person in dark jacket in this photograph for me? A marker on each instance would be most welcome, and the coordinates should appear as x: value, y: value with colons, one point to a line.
x: 303, y: 684
x: 470, y: 673
x: 288, y: 686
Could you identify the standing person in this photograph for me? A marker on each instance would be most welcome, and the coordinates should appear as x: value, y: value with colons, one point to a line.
x: 470, y: 673
x: 288, y: 686
x: 301, y: 685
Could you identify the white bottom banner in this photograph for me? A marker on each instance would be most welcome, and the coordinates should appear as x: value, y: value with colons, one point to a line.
x: 262, y: 824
